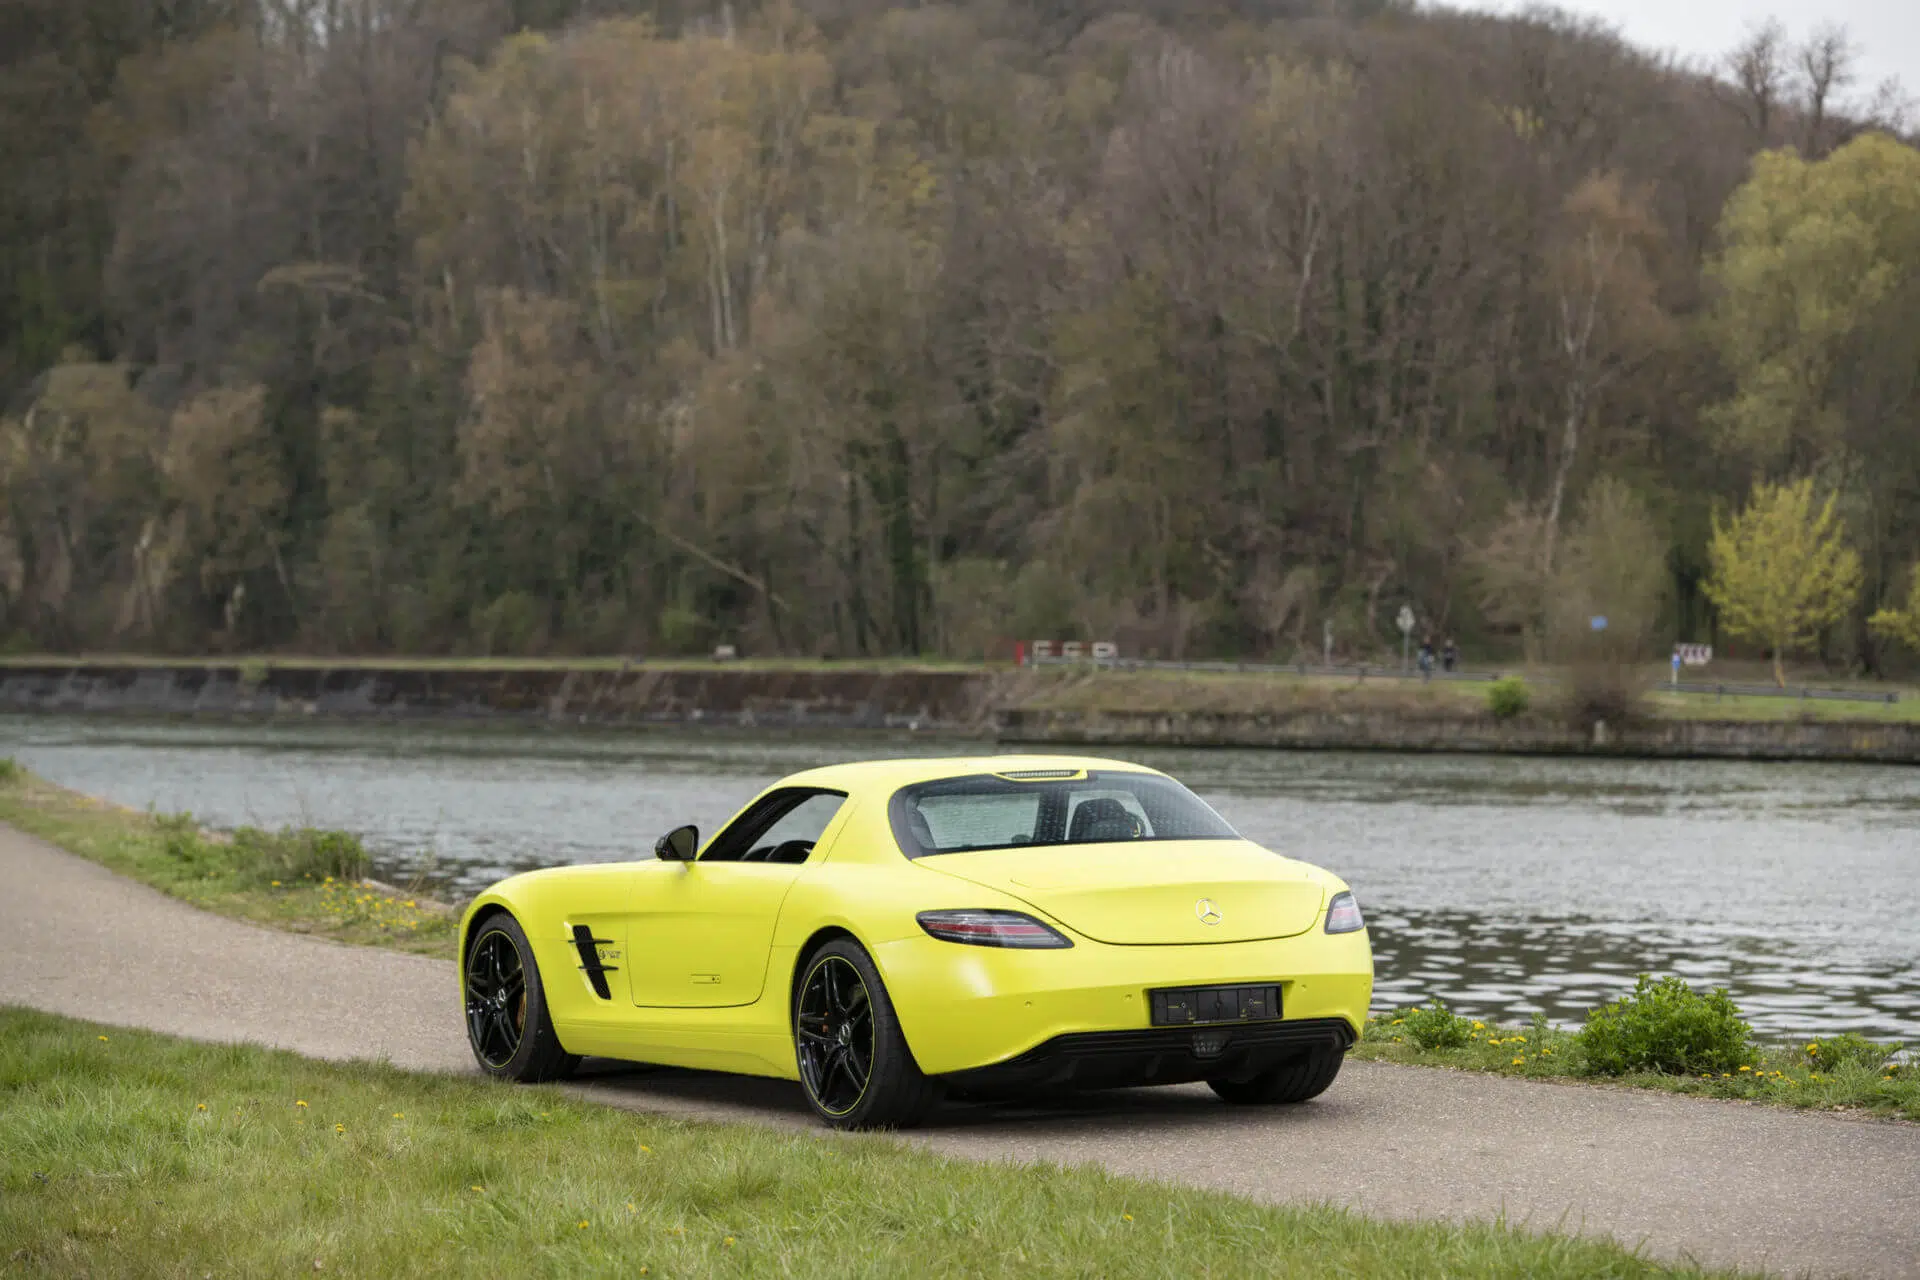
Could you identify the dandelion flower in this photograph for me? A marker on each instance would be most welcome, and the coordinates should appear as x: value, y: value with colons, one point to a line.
x: 339, y: 1128
x: 1519, y: 1062
x: 1479, y: 1026
x: 276, y: 884
x: 1746, y: 1068
x: 583, y: 1224
x: 476, y: 1188
x: 729, y: 1242
x: 103, y: 1038
x: 1127, y: 1217
x: 298, y: 1103
x: 200, y: 1107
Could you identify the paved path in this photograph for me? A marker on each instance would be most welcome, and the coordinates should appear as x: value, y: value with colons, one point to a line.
x: 1717, y: 1182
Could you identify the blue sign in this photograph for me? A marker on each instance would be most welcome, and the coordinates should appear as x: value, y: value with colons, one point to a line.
x: 1599, y: 623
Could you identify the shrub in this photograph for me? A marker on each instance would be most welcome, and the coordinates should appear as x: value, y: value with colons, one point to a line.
x: 1507, y: 697
x: 1849, y: 1050
x: 1608, y: 691
x: 253, y: 673
x: 10, y: 770
x: 1437, y: 1027
x: 294, y: 853
x: 1666, y: 1026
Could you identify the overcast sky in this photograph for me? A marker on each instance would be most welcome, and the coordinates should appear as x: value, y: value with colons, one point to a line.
x: 1886, y: 32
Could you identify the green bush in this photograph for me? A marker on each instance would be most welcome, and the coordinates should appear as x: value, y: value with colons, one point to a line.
x: 1833, y: 1052
x: 1437, y: 1027
x: 1666, y: 1026
x: 253, y: 673
x: 10, y: 770
x: 1507, y: 697
x: 263, y: 857
x: 295, y: 853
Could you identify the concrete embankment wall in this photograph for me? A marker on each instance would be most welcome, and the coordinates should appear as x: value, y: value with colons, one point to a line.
x: 1382, y: 731
x: 974, y: 702
x: 826, y: 699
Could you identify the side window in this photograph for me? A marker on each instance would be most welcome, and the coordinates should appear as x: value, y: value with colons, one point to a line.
x: 781, y: 828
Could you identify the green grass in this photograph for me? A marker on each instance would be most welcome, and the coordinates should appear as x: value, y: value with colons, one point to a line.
x: 1781, y: 1075
x: 279, y: 879
x: 133, y: 1154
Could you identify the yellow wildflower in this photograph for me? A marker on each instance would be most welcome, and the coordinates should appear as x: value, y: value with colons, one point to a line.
x: 476, y: 1188
x: 1746, y: 1068
x: 339, y: 1128
x: 399, y: 1115
x: 200, y: 1107
x: 729, y: 1242
x: 103, y: 1038
x: 1519, y: 1061
x: 298, y: 1103
x: 1127, y: 1217
x: 1479, y: 1026
x: 583, y: 1224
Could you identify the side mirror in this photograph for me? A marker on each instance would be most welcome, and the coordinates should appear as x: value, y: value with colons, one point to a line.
x: 678, y: 845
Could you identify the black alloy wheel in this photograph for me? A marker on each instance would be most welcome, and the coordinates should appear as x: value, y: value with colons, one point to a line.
x: 1296, y: 1080
x: 496, y: 999
x: 507, y: 1022
x: 855, y: 1066
x: 834, y: 1029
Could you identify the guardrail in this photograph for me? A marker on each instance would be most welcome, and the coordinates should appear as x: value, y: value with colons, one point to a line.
x: 1774, y: 691
x: 1360, y: 672
x: 1368, y: 672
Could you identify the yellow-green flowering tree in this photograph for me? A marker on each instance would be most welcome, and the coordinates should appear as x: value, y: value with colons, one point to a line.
x: 1781, y: 569
x: 1902, y: 625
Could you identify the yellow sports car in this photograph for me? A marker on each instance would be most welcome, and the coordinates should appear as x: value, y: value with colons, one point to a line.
x: 887, y: 931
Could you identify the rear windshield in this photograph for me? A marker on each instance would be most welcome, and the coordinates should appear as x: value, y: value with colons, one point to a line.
x: 989, y: 811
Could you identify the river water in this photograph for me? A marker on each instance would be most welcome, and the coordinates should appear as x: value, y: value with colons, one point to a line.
x: 1503, y: 885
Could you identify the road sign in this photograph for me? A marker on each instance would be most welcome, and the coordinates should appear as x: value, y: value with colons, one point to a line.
x: 1598, y: 623
x: 1695, y: 655
x: 1405, y: 620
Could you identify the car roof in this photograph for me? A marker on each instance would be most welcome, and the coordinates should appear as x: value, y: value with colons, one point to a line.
x: 889, y: 775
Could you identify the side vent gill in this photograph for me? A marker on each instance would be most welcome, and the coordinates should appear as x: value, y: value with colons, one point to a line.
x: 590, y: 963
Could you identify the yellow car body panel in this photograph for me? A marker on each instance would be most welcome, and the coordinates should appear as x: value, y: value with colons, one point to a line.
x: 700, y: 960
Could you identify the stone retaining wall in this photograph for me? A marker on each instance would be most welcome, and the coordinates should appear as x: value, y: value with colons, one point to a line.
x: 1380, y: 731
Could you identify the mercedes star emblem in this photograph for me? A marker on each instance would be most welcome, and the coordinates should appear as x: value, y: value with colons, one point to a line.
x: 1208, y: 913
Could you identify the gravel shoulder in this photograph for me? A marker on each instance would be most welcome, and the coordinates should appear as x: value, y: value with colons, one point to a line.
x: 1720, y: 1183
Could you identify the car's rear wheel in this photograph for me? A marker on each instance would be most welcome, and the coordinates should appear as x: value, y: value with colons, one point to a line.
x: 855, y: 1067
x: 1294, y: 1080
x: 507, y: 1022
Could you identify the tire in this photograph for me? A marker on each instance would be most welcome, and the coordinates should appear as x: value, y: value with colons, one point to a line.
x: 843, y: 1021
x: 508, y: 1028
x: 1295, y: 1080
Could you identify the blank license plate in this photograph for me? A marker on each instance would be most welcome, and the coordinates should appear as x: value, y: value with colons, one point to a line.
x: 1179, y: 1006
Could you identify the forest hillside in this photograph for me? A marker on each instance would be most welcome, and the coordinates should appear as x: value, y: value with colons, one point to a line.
x: 847, y: 328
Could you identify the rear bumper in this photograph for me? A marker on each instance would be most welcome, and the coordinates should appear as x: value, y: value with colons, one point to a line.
x: 966, y: 1008
x: 1158, y: 1055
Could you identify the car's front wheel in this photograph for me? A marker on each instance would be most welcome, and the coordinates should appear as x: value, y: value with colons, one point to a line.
x: 507, y: 1022
x: 855, y: 1066
x: 1294, y: 1080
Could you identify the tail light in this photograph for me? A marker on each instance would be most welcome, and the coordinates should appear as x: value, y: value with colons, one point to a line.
x: 991, y: 929
x: 1343, y: 914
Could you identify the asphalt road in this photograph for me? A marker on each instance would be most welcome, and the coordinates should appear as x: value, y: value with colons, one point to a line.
x: 1719, y: 1183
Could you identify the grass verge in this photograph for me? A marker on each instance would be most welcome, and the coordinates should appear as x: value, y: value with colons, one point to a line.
x: 138, y: 1154
x: 301, y: 880
x: 1779, y: 1075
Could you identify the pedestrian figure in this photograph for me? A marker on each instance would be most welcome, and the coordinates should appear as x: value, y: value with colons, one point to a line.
x: 1426, y: 657
x: 1449, y: 656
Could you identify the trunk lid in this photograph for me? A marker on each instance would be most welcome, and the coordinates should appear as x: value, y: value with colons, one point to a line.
x: 1152, y: 893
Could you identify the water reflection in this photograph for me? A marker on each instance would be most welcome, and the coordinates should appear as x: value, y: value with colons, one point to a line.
x: 1505, y: 886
